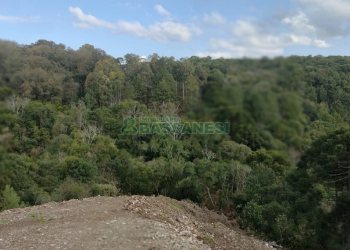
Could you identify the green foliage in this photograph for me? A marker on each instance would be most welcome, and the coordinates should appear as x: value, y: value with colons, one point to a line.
x: 283, y: 167
x: 38, y: 217
x: 105, y: 85
x: 252, y: 216
x: 104, y: 190
x: 36, y: 196
x: 9, y: 199
x: 70, y: 189
x: 231, y: 150
x: 78, y: 169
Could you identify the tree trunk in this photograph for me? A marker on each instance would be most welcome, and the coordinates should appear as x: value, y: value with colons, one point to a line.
x: 183, y: 91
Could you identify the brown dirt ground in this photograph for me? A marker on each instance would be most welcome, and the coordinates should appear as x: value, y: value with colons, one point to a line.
x: 124, y: 222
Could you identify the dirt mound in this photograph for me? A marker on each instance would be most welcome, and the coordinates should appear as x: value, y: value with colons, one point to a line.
x: 124, y: 222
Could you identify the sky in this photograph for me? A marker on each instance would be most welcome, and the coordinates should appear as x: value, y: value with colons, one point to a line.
x: 183, y: 28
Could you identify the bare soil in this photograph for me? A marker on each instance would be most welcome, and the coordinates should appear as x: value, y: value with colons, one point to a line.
x: 124, y: 222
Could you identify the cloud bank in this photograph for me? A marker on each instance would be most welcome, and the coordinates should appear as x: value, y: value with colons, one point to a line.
x: 162, y: 31
x: 306, y: 25
x: 18, y: 19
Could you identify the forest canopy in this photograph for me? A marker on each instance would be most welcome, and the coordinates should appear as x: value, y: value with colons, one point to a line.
x: 282, y: 170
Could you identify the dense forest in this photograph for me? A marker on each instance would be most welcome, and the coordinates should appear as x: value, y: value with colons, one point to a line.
x: 283, y: 170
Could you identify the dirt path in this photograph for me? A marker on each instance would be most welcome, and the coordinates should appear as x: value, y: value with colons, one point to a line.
x: 123, y: 222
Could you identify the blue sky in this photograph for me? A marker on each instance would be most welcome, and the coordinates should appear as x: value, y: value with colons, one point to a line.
x: 182, y: 28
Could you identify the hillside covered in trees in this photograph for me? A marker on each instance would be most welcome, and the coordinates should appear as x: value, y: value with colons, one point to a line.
x: 283, y: 170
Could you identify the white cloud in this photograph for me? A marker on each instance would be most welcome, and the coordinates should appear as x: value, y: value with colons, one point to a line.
x: 172, y: 31
x: 162, y: 31
x: 331, y: 19
x: 338, y: 8
x: 264, y: 37
x: 248, y: 39
x: 252, y: 35
x: 214, y: 18
x: 162, y: 11
x: 244, y: 28
x: 307, y: 41
x: 88, y: 21
x: 134, y: 28
x: 304, y: 32
x: 314, y: 23
x: 159, y: 31
x: 300, y: 23
x: 18, y: 19
x: 229, y: 49
x: 321, y: 43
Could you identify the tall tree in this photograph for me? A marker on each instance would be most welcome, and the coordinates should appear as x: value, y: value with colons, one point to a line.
x: 105, y: 85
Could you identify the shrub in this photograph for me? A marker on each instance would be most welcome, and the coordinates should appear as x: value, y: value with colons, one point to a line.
x: 10, y: 199
x: 70, y: 189
x: 78, y: 169
x: 104, y: 190
x: 36, y: 196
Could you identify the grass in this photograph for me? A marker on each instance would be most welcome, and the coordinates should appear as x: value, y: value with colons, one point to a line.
x: 3, y: 222
x: 38, y: 217
x: 207, y: 239
x: 176, y: 205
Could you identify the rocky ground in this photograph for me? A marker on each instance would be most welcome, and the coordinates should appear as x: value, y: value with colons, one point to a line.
x: 124, y: 222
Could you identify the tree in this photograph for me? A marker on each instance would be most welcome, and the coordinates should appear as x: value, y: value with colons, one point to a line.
x: 165, y: 89
x: 139, y: 77
x: 85, y: 60
x: 231, y: 150
x: 329, y: 160
x: 105, y: 85
x: 181, y: 71
x: 78, y: 169
x: 321, y: 185
x: 17, y: 104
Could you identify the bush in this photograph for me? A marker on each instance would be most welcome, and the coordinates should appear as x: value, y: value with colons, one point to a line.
x: 10, y: 199
x: 36, y: 196
x: 252, y: 216
x: 104, y: 190
x: 71, y: 189
x: 78, y: 169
